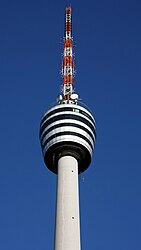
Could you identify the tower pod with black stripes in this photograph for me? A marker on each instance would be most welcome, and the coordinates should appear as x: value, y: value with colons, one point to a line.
x: 67, y: 129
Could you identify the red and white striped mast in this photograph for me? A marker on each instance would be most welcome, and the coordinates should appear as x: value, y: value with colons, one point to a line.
x: 68, y: 60
x: 68, y: 57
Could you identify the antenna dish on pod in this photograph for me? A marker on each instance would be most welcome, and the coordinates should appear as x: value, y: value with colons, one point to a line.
x: 74, y: 96
x: 59, y: 98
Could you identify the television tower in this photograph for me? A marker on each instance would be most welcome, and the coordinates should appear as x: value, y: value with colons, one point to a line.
x: 67, y: 136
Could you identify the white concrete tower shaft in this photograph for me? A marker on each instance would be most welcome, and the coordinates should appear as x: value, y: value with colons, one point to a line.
x: 67, y: 230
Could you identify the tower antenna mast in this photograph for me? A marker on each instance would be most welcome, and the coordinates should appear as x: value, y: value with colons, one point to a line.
x: 68, y: 62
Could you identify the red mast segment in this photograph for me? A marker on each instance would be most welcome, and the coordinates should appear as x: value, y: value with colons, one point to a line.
x: 68, y: 64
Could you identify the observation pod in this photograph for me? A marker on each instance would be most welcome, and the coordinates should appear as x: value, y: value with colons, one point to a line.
x: 67, y: 130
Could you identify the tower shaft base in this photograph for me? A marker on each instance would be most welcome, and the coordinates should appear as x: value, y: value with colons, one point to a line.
x: 67, y: 231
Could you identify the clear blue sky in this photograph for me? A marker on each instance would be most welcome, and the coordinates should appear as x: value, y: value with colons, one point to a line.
x: 107, y: 38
